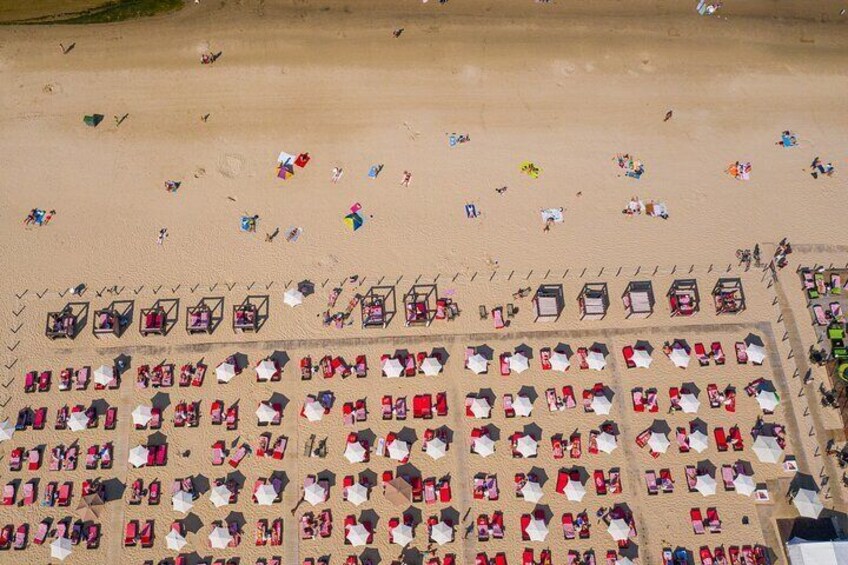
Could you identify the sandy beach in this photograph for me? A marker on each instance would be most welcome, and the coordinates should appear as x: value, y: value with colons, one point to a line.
x: 566, y: 86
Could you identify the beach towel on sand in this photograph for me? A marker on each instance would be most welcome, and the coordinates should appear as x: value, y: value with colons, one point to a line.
x: 552, y: 214
x: 470, y: 211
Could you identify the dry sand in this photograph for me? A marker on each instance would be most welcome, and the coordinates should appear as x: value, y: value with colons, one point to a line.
x: 556, y: 84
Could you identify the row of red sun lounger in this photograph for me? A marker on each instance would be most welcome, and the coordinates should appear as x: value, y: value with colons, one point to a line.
x: 77, y: 532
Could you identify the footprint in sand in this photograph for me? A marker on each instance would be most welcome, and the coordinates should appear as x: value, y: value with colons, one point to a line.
x: 230, y: 165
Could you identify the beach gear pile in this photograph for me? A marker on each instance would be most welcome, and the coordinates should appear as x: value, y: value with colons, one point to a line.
x: 739, y: 170
x: 455, y: 139
x: 650, y: 208
x: 286, y: 164
x: 530, y: 169
x: 631, y: 166
x: 248, y: 223
x: 354, y: 220
x: 788, y: 139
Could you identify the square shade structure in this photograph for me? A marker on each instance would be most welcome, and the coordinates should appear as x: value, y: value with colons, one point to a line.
x: 683, y: 298
x: 593, y: 301
x: 419, y: 305
x: 728, y: 296
x: 548, y: 303
x: 378, y: 306
x: 113, y: 319
x: 205, y: 316
x: 638, y: 299
x: 62, y: 324
x: 249, y: 315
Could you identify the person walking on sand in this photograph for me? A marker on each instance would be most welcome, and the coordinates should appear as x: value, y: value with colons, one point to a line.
x: 668, y: 116
x: 396, y: 33
x: 407, y: 176
x: 163, y: 234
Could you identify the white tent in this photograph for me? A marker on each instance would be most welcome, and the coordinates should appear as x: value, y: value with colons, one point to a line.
x: 392, y: 368
x: 436, y: 448
x: 225, y: 372
x: 398, y: 450
x: 575, y: 491
x: 182, y: 501
x: 642, y: 359
x: 522, y: 406
x: 537, y: 530
x: 596, y: 360
x: 803, y: 552
x: 78, y: 421
x: 560, y: 362
x: 526, y: 446
x: 767, y: 449
x: 357, y: 494
x: 265, y: 413
x: 103, y: 375
x: 680, y: 357
x: 698, y: 441
x: 357, y: 535
x: 618, y: 529
x: 220, y: 538
x: 478, y: 364
x: 480, y: 407
x: 354, y: 452
x: 265, y: 370
x: 142, y: 415
x: 138, y: 456
x: 744, y: 484
x: 756, y: 352
x: 441, y: 533
x: 689, y: 403
x: 658, y: 442
x: 220, y: 496
x: 315, y: 494
x: 484, y: 446
x: 768, y: 400
x: 601, y: 405
x: 532, y: 492
x: 175, y: 540
x: 265, y: 495
x: 807, y: 502
x: 7, y: 430
x: 293, y: 297
x: 607, y: 442
x: 60, y: 548
x: 402, y: 535
x: 706, y: 485
x: 431, y: 367
x: 519, y: 363
x: 313, y: 410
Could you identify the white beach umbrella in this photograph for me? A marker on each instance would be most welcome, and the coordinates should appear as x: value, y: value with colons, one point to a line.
x: 354, y: 452
x: 220, y: 496
x: 220, y: 538
x: 689, y: 403
x: 441, y: 533
x: 767, y: 449
x: 401, y: 535
x: 618, y: 529
x: 265, y: 370
x: 532, y: 492
x: 601, y: 405
x: 392, y: 368
x: 313, y: 410
x: 706, y: 485
x: 680, y: 357
x: 484, y: 446
x: 756, y: 352
x: 7, y: 430
x: 357, y: 535
x: 478, y: 364
x: 265, y: 413
x: 744, y: 484
x: 436, y: 448
x: 537, y: 530
x: 225, y: 372
x: 138, y: 456
x: 78, y: 421
x: 607, y: 442
x: 807, y: 502
x: 658, y: 442
x: 522, y: 406
x: 175, y: 540
x: 526, y: 446
x: 641, y: 358
x: 768, y: 400
x: 315, y: 494
x: 357, y: 494
x: 293, y: 297
x: 596, y: 360
x: 575, y: 491
x: 60, y: 548
x: 265, y: 495
x: 519, y: 363
x: 480, y: 407
x: 698, y: 441
x: 103, y: 375
x: 142, y: 415
x: 431, y: 366
x: 182, y: 501
x: 398, y: 450
x: 560, y: 362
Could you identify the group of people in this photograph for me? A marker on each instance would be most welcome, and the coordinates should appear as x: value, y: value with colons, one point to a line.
x: 818, y: 168
x: 632, y: 167
x: 39, y: 217
x: 654, y: 209
x: 784, y: 248
x: 740, y: 170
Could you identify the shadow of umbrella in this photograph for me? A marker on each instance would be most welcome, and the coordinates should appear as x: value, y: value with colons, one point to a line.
x: 281, y: 399
x: 692, y: 388
x: 306, y: 287
x: 408, y: 435
x: 644, y: 344
x: 546, y: 510
x: 161, y: 400
x: 192, y: 523
x: 753, y: 339
x: 241, y: 360
x: 415, y: 513
x: 100, y: 406
x: 122, y: 363
x: 525, y: 350
x: 370, y: 516
x: 369, y: 476
x: 282, y: 477
x: 113, y: 489
x: 494, y: 432
x: 564, y: 348
x: 706, y: 467
x: 533, y: 430
x: 195, y: 558
x: 201, y: 484
x: 238, y: 518
x: 803, y: 480
x: 442, y: 353
x: 450, y: 515
x: 602, y: 347
x: 281, y: 358
x: 613, y: 425
x: 237, y: 477
x: 486, y: 351
x: 699, y: 424
x: 529, y: 392
x: 488, y: 394
x: 371, y: 555
x: 661, y: 427
x: 157, y: 438
x: 328, y: 476
x: 541, y: 475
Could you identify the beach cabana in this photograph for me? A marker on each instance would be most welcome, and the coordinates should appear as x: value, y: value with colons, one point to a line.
x: 548, y: 303
x: 205, y: 316
x: 728, y: 296
x: 250, y: 315
x: 378, y: 306
x: 113, y: 319
x: 157, y: 319
x: 638, y: 299
x: 419, y: 304
x: 593, y: 301
x: 683, y: 298
x: 63, y: 324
